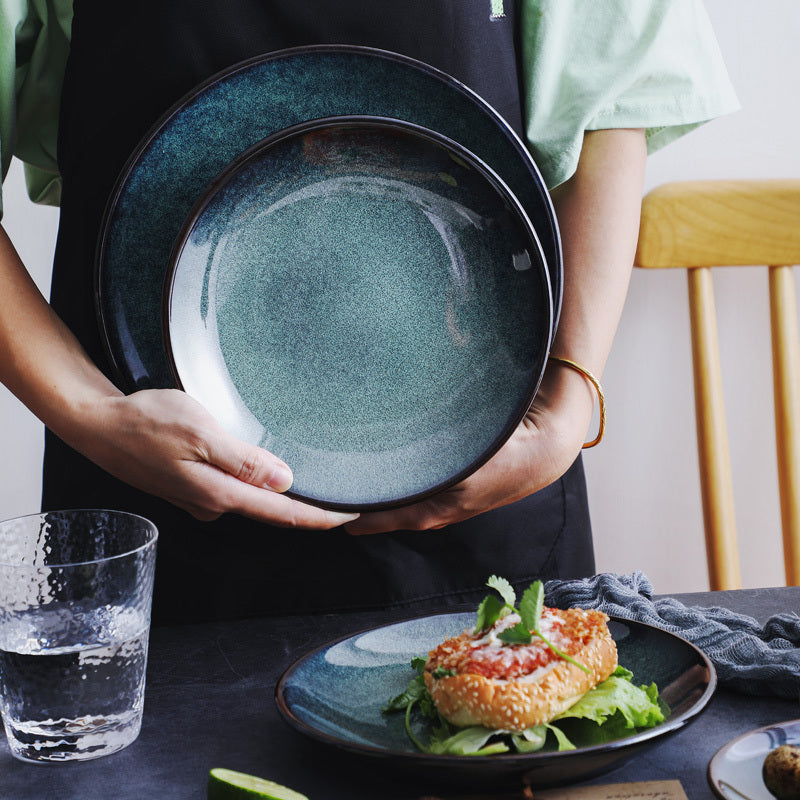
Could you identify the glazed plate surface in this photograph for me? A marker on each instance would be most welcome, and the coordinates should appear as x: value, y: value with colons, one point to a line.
x: 334, y: 695
x: 367, y: 301
x: 216, y: 122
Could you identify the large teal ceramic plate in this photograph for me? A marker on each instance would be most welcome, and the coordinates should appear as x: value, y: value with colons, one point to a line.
x: 216, y: 122
x: 366, y: 300
x: 334, y: 695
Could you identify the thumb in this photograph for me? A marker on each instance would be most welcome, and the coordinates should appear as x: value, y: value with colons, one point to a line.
x: 249, y: 463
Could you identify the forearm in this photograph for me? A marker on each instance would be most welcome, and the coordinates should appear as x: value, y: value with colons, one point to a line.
x: 160, y: 441
x: 598, y: 214
x: 41, y: 362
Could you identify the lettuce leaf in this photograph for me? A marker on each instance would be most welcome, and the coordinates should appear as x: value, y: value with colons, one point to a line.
x: 637, y: 704
x: 612, y: 710
x: 530, y: 740
x: 533, y: 739
x: 470, y: 741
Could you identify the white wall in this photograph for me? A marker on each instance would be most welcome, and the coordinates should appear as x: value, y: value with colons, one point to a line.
x: 643, y: 479
x: 33, y: 230
x: 644, y: 485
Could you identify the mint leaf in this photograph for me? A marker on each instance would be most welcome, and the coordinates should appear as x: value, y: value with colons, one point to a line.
x: 489, y: 611
x: 531, y: 605
x: 504, y: 589
x: 519, y: 634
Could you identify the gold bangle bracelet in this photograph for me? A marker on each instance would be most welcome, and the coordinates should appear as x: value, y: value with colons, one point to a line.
x: 600, y: 396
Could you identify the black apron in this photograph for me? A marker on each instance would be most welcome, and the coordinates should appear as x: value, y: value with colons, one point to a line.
x: 128, y: 64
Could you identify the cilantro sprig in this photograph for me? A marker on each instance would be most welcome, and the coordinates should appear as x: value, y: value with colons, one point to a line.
x: 445, y: 739
x: 531, y: 605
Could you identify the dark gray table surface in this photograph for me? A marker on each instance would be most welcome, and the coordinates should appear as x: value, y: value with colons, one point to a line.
x: 210, y: 702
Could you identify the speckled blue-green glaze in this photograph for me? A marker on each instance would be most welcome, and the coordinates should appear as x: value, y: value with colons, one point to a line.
x: 339, y: 690
x: 193, y: 143
x: 360, y: 300
x: 335, y: 694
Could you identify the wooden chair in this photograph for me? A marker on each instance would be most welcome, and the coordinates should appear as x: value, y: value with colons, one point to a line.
x: 698, y: 225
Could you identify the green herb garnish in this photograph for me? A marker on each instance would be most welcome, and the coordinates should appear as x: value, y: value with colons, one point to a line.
x: 445, y: 738
x: 530, y: 610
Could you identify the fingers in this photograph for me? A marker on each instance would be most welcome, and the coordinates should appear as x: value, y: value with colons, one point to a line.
x: 183, y: 455
x: 207, y: 493
x: 418, y: 517
x: 250, y: 481
x: 282, y: 511
x: 249, y: 464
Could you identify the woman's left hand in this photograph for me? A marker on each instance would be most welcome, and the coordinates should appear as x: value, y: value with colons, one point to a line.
x: 598, y: 214
x: 541, y: 449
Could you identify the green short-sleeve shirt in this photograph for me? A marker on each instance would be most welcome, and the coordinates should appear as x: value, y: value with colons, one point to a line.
x: 594, y: 64
x: 587, y: 64
x: 34, y: 44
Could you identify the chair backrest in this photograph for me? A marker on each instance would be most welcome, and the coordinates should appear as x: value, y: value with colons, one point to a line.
x: 698, y: 225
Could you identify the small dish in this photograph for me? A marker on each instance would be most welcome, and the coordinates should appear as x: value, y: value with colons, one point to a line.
x: 334, y: 695
x: 233, y: 110
x: 365, y: 299
x: 734, y: 772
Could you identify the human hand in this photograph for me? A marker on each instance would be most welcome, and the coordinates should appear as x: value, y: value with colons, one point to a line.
x: 541, y: 449
x: 164, y: 442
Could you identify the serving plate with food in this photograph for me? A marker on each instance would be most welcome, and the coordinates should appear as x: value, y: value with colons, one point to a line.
x: 515, y: 691
x: 761, y: 764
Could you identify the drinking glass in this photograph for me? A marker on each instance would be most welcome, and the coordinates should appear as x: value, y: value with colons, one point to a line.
x: 75, y: 594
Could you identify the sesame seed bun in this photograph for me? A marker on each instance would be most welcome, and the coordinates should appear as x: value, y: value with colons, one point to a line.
x: 528, y: 699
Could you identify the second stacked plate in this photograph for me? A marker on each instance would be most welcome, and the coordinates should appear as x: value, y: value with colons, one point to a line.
x: 365, y: 299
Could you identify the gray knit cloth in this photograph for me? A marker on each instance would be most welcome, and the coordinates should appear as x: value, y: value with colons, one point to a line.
x: 748, y: 657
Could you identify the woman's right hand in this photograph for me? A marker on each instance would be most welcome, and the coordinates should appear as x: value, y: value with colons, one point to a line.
x: 161, y: 441
x: 164, y: 442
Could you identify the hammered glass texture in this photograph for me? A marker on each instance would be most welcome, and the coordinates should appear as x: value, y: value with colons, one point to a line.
x: 75, y: 596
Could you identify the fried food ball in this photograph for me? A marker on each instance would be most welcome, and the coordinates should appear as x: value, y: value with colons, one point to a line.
x: 781, y: 772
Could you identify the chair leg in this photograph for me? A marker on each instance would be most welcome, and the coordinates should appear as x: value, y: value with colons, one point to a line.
x: 786, y: 376
x: 716, y: 482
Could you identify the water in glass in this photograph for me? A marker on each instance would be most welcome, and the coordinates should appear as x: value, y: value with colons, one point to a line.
x: 72, y: 681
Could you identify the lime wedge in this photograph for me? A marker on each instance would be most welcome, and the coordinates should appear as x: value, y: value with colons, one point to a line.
x: 225, y: 784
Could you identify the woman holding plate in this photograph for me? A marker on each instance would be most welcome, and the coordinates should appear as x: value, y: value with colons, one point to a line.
x: 590, y: 87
